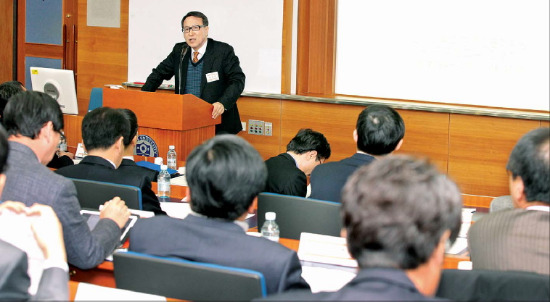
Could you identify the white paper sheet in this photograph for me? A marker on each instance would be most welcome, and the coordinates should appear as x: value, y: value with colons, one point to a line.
x: 176, y: 209
x: 326, y: 279
x: 90, y: 292
x: 325, y: 249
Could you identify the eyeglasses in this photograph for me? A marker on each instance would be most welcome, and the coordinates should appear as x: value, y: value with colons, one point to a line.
x: 62, y: 135
x: 192, y: 28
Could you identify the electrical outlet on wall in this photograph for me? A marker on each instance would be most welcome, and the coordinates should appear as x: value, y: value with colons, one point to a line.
x: 243, y: 125
x: 255, y: 127
x: 268, y: 129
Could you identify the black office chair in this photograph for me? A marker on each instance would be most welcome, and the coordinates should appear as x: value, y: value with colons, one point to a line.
x: 488, y: 285
x: 297, y: 214
x: 91, y: 194
x: 183, y: 279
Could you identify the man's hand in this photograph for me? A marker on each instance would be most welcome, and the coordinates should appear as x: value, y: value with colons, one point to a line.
x: 63, y: 153
x: 218, y: 109
x: 116, y: 210
x: 14, y: 206
x: 48, y: 232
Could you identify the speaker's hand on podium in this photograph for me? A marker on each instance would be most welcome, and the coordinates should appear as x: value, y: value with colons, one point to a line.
x: 218, y: 109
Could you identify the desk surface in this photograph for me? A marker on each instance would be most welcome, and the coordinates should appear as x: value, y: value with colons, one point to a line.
x: 103, y: 274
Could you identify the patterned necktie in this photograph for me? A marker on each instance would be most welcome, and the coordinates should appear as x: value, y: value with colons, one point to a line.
x: 195, y: 57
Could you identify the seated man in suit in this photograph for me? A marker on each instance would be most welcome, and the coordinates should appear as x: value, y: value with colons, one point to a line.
x: 48, y: 236
x: 104, y: 130
x: 225, y: 174
x: 287, y: 172
x: 11, y: 88
x: 519, y: 238
x: 379, y: 132
x: 34, y: 122
x: 398, y: 214
x: 128, y: 165
x: 7, y: 90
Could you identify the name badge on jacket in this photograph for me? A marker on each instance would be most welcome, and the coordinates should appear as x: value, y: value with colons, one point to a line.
x: 211, y: 77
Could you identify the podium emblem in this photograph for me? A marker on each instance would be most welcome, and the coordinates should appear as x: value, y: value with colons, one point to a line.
x: 146, y: 146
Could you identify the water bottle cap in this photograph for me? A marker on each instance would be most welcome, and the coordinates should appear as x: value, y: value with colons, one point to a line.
x: 164, y: 167
x: 270, y: 216
x: 172, y: 147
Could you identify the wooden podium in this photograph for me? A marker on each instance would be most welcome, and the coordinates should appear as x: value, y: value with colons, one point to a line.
x: 184, y: 121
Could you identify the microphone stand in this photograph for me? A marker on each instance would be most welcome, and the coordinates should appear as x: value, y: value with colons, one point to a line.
x: 183, y: 53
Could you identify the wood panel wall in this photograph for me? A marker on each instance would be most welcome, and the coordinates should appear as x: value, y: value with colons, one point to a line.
x: 472, y: 149
x: 6, y: 36
x: 316, y: 57
x: 102, y: 54
x: 479, y: 150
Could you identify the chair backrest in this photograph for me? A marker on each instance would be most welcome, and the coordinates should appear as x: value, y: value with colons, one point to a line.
x: 501, y: 203
x: 96, y: 99
x: 297, y: 214
x: 183, y: 279
x: 91, y: 194
x: 488, y: 285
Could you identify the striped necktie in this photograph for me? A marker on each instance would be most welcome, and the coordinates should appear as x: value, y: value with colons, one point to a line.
x: 195, y: 57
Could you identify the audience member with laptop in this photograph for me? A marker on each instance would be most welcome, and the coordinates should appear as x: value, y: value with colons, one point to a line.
x: 34, y: 123
x: 224, y: 175
x: 104, y: 132
x: 398, y: 214
x: 36, y: 231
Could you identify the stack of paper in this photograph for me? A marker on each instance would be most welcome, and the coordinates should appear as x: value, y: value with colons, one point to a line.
x: 325, y: 249
x: 326, y: 262
x: 461, y: 244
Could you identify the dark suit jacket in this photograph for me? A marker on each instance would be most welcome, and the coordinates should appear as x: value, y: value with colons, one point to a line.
x: 327, y: 180
x: 60, y: 162
x: 219, y: 57
x: 130, y: 166
x: 373, y: 284
x: 99, y: 169
x: 28, y: 181
x: 15, y: 282
x: 220, y: 242
x: 284, y: 177
x: 514, y: 239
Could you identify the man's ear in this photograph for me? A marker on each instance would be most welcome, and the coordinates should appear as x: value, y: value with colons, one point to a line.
x: 438, y: 254
x: 188, y: 195
x: 2, y: 182
x: 344, y: 233
x: 398, y: 145
x: 517, y: 191
x: 46, y: 131
x: 120, y: 144
x: 253, y: 206
x: 312, y: 154
x: 355, y: 136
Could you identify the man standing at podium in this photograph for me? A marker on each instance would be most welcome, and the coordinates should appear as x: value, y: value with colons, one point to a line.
x: 206, y: 68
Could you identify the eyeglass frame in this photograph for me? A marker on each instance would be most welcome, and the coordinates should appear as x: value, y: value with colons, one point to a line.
x: 188, y: 29
x: 62, y: 135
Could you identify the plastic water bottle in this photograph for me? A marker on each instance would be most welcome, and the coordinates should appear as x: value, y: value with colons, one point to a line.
x: 270, y: 229
x: 163, y: 182
x: 171, y: 158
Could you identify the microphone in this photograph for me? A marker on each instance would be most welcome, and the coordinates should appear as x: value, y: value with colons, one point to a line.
x: 183, y: 53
